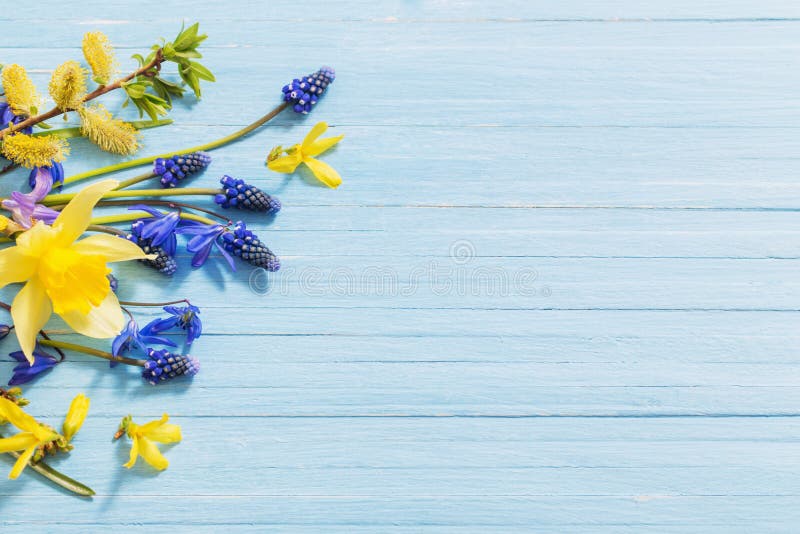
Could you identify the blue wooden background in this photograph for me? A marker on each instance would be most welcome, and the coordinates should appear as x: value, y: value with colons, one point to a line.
x: 557, y: 291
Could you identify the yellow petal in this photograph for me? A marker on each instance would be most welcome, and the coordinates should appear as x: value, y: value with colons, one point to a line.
x: 14, y: 415
x: 315, y: 132
x: 134, y: 453
x: 76, y: 215
x: 30, y: 310
x: 19, y: 442
x: 15, y: 266
x: 103, y: 321
x: 286, y: 164
x: 151, y: 454
x: 21, y: 462
x: 318, y: 147
x: 324, y: 172
x: 113, y: 248
x: 161, y: 431
x: 76, y: 415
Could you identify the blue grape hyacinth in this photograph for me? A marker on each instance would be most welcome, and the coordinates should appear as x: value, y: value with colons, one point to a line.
x: 240, y: 195
x: 245, y: 244
x: 173, y: 170
x: 302, y: 93
x: 163, y: 365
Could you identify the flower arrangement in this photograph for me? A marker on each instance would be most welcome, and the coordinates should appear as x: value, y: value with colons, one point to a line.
x: 57, y: 253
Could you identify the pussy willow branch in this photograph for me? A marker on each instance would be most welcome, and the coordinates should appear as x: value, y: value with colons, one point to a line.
x: 100, y: 91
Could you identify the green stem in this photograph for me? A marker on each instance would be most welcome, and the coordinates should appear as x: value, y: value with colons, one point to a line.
x: 75, y: 131
x: 146, y: 304
x: 57, y: 477
x: 207, y: 146
x: 135, y: 180
x: 91, y: 352
x: 133, y: 215
x: 165, y: 203
x: 63, y: 198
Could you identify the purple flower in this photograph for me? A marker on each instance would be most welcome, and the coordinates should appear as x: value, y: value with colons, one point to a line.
x: 186, y: 317
x: 205, y: 237
x: 54, y: 174
x: 131, y: 336
x: 7, y: 117
x: 163, y: 365
x: 25, y: 208
x: 25, y: 372
x: 160, y: 229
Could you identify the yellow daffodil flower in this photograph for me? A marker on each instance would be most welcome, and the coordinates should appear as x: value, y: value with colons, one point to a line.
x: 143, y: 437
x: 33, y: 435
x: 65, y: 276
x: 75, y: 416
x: 304, y: 153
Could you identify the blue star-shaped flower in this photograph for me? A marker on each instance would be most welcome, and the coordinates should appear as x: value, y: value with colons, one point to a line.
x: 186, y: 318
x: 25, y: 372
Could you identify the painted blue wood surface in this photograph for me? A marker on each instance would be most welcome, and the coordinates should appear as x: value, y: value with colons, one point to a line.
x: 557, y: 291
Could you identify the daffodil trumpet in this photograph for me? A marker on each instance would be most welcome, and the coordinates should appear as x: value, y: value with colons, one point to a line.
x: 199, y: 148
x: 65, y: 275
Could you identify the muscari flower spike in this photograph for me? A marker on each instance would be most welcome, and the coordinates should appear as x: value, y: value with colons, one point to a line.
x: 163, y: 262
x: 24, y: 371
x: 240, y: 195
x: 303, y: 93
x: 163, y: 365
x: 245, y: 244
x: 186, y: 318
x: 173, y: 170
x: 158, y: 229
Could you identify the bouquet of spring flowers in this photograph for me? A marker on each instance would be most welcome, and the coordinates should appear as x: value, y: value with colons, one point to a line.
x: 56, y: 252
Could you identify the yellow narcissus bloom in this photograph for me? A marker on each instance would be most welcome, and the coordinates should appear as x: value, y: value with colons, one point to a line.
x: 304, y: 153
x: 66, y: 276
x: 75, y: 416
x: 33, y: 435
x: 143, y: 437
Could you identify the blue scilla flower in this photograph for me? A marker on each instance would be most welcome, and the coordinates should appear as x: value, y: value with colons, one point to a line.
x: 7, y: 117
x: 240, y: 195
x: 204, y: 238
x: 158, y: 230
x: 303, y: 93
x: 24, y: 372
x: 173, y: 170
x: 131, y: 337
x: 245, y: 244
x: 184, y: 317
x: 163, y: 365
x: 53, y: 175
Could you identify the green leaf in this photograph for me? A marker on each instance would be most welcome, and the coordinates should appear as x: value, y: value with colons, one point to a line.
x: 202, y: 72
x: 44, y: 126
x: 186, y: 39
x: 135, y: 90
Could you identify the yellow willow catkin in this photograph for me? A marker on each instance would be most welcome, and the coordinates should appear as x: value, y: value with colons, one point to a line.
x: 110, y: 134
x: 30, y: 151
x: 68, y: 85
x: 20, y: 92
x: 99, y: 55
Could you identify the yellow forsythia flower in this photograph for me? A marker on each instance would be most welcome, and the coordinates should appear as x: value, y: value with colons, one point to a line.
x: 20, y: 92
x: 68, y: 85
x: 100, y: 56
x: 34, y: 151
x: 75, y: 416
x: 110, y: 134
x: 143, y: 437
x: 9, y: 227
x: 33, y: 435
x: 303, y: 153
x: 65, y: 276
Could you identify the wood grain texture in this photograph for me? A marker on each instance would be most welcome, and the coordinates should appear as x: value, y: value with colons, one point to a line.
x: 556, y: 292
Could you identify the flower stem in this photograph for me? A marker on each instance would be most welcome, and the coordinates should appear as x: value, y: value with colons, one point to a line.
x: 63, y: 198
x: 57, y: 477
x: 207, y: 146
x: 147, y: 304
x: 133, y: 215
x: 91, y: 352
x: 166, y: 203
x: 75, y: 131
x: 135, y: 180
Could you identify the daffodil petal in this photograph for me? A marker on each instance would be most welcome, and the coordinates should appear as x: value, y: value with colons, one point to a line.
x: 113, y: 248
x: 103, y: 321
x: 286, y: 164
x: 19, y: 442
x: 324, y: 172
x: 134, y: 454
x: 14, y: 415
x: 75, y: 216
x: 151, y: 454
x: 15, y: 266
x: 30, y: 310
x: 318, y: 147
x: 22, y: 462
x: 315, y: 132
